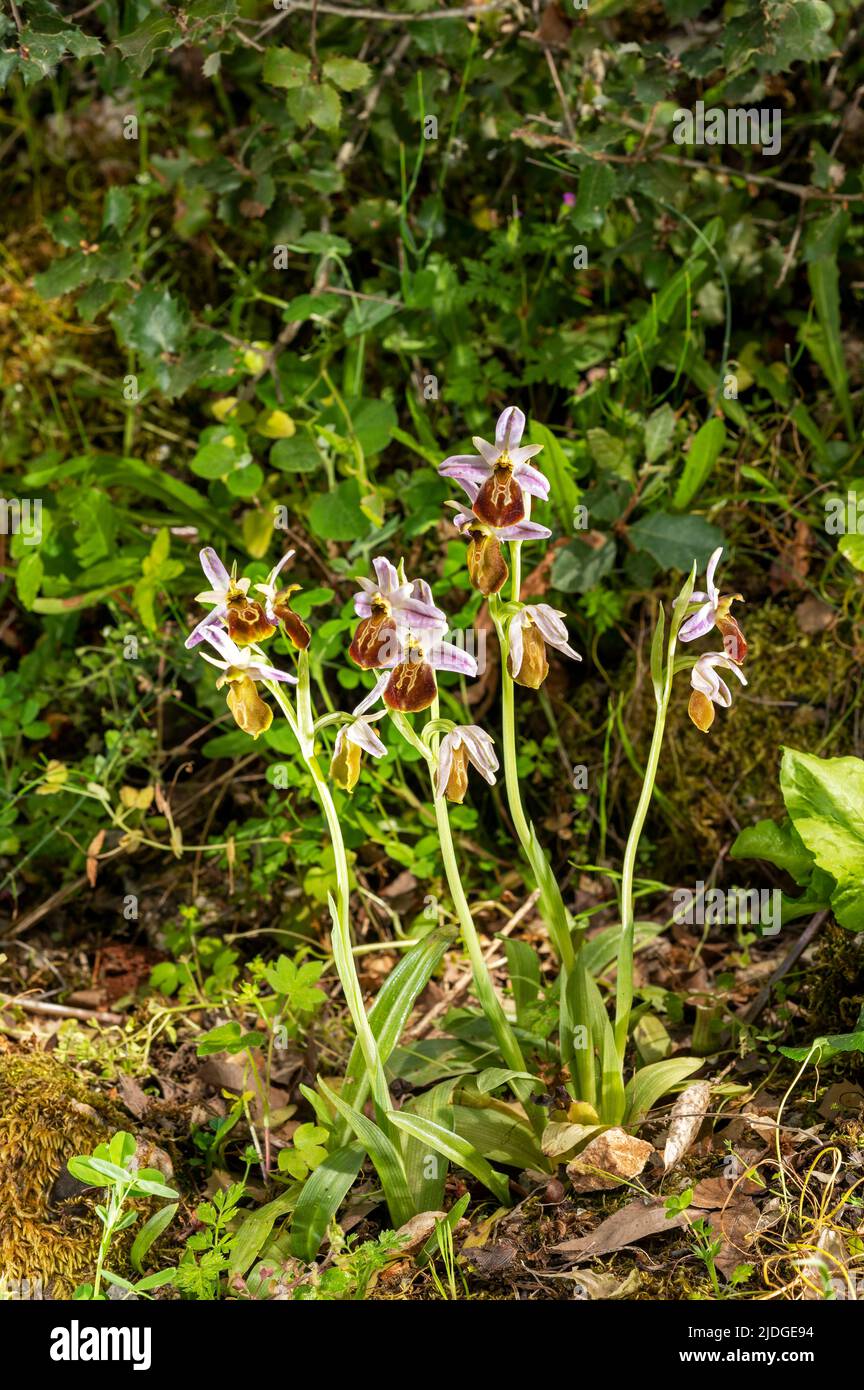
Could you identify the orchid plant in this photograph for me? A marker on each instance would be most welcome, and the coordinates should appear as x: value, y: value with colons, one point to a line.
x: 401, y: 638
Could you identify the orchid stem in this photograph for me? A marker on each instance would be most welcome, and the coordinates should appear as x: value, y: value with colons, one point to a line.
x: 485, y: 989
x: 624, y: 975
x: 344, y: 957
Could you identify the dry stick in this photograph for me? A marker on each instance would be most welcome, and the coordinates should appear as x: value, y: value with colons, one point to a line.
x: 37, y: 1006
x: 56, y: 900
x: 680, y: 161
x: 556, y: 80
x: 807, y: 935
x: 354, y: 12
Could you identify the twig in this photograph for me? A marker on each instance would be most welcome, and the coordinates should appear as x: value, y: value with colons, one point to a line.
x: 37, y: 1006
x: 556, y: 80
x: 753, y: 1010
x: 388, y: 16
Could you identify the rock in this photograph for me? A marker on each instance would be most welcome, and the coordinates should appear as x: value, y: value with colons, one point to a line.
x: 607, y: 1160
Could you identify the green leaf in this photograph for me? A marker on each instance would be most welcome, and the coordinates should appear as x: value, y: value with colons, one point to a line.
x: 285, y: 68
x: 347, y: 73
x: 458, y: 1150
x: 318, y: 104
x: 337, y: 515
x: 827, y: 346
x: 388, y: 1162
x: 296, y: 455
x: 676, y: 541
x: 141, y: 46
x: 659, y: 429
x: 150, y: 1232
x: 257, y: 1225
x: 699, y: 463
x: 579, y: 567
x: 596, y: 188
x: 648, y: 1085
x: 28, y: 577
x: 499, y: 1137
x: 322, y: 1195
x: 152, y: 322
x: 825, y: 798
x: 824, y: 1048
x: 777, y: 844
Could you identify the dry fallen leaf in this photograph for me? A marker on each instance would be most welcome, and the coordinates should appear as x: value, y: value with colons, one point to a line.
x: 607, y: 1160
x: 632, y: 1223
x: 93, y: 849
x: 685, y: 1121
x: 417, y: 1230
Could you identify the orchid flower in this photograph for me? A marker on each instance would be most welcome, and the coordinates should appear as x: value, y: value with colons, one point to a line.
x: 466, y: 743
x: 277, y: 605
x: 502, y: 473
x: 226, y: 588
x: 241, y: 668
x: 486, y: 564
x: 714, y: 612
x: 409, y: 661
x: 530, y: 630
x: 385, y: 605
x: 709, y: 689
x: 352, y: 741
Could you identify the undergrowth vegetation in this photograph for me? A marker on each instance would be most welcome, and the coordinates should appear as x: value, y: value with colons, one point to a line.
x: 432, y: 832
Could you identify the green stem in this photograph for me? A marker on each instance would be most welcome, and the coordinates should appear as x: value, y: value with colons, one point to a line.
x: 489, y: 1001
x: 343, y: 951
x: 624, y: 976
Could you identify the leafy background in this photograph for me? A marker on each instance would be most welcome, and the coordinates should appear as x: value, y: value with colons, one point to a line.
x: 264, y: 270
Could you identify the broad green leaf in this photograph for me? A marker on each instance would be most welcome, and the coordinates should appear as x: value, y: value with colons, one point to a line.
x: 427, y: 1173
x: 256, y: 1226
x: 388, y: 1162
x: 150, y: 1232
x: 285, y: 68
x: 323, y: 1193
x: 777, y: 844
x: 347, y: 73
x: 645, y: 1088
x: 676, y: 541
x: 458, y: 1150
x: 498, y: 1137
x: 337, y: 515
x: 597, y: 184
x: 825, y: 798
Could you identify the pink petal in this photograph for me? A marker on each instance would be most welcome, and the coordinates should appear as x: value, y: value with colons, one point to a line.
x: 445, y: 763
x: 713, y: 592
x: 386, y: 574
x: 532, y: 480
x: 445, y: 656
x: 514, y: 638
x: 698, y: 623
x: 360, y: 733
x: 199, y: 633
x: 374, y: 694
x: 214, y: 568
x: 523, y: 531
x: 510, y: 428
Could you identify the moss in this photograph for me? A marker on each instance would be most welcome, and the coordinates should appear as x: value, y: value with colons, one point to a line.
x: 835, y: 984
x: 47, y: 1115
